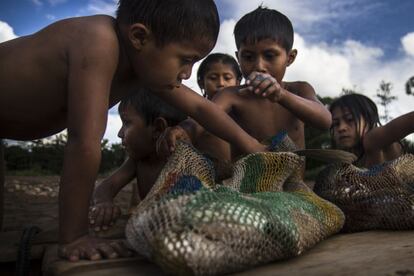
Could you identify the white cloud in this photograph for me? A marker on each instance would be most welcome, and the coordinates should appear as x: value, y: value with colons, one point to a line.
x: 408, y: 43
x: 305, y: 14
x: 51, y: 17
x: 102, y: 7
x: 113, y: 126
x: 6, y: 32
x: 37, y: 2
x: 56, y: 2
x: 328, y: 67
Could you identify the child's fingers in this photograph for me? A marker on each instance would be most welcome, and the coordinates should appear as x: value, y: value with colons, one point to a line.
x: 263, y: 86
x: 99, y: 219
x: 171, y: 140
x: 245, y: 89
x: 121, y: 248
x: 107, y: 217
x: 116, y: 213
x: 92, y: 215
x: 92, y: 254
x: 255, y: 79
x: 251, y: 78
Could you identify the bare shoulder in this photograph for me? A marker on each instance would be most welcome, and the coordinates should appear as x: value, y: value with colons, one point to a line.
x: 91, y: 33
x: 230, y: 93
x: 227, y: 98
x: 300, y: 88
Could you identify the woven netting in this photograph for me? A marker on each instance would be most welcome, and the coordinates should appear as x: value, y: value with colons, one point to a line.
x: 381, y: 197
x: 189, y: 225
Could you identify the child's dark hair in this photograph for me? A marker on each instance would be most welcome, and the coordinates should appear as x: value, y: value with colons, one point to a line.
x: 263, y: 23
x: 151, y: 107
x: 359, y: 106
x: 217, y: 58
x: 173, y: 20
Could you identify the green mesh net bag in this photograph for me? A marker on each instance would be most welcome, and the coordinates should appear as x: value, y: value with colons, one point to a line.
x: 381, y: 197
x: 190, y: 225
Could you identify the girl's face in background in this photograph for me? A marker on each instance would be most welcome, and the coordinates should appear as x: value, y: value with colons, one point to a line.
x: 217, y: 77
x: 344, y: 129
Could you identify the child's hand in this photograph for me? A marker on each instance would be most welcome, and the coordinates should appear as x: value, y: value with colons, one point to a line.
x: 168, y: 139
x: 93, y: 249
x: 264, y: 85
x: 103, y: 215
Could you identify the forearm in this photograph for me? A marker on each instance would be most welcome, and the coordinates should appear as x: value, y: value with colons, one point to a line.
x: 217, y: 122
x: 192, y: 128
x: 80, y: 169
x: 211, y: 117
x: 393, y: 131
x: 105, y: 191
x: 110, y: 186
x: 308, y: 111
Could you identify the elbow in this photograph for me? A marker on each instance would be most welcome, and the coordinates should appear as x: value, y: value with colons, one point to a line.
x: 327, y: 122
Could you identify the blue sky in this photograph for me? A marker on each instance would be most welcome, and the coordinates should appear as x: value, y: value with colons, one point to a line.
x: 375, y: 22
x: 341, y: 43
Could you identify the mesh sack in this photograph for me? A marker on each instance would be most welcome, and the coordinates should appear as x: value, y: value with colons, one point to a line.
x: 381, y: 197
x: 190, y: 225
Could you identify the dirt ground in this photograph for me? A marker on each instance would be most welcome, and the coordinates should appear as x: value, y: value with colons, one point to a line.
x: 33, y: 201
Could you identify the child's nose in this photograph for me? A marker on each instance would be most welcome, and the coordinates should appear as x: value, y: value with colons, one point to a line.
x: 185, y: 74
x: 260, y: 65
x: 342, y: 127
x: 121, y: 133
x: 221, y: 82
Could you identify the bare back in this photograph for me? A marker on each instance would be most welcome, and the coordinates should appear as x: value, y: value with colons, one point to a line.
x: 35, y: 72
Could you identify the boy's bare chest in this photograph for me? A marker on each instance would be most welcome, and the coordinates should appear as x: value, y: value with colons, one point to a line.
x: 264, y: 119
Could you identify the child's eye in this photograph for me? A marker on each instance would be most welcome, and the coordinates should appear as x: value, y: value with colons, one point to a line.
x: 269, y: 56
x: 212, y: 77
x: 187, y: 61
x: 248, y: 57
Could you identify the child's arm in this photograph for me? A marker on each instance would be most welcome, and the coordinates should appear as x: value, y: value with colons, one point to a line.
x: 303, y: 103
x: 383, y: 136
x: 92, y: 61
x: 104, y: 213
x: 212, y: 117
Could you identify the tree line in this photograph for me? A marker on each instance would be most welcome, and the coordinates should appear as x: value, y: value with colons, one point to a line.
x: 45, y: 156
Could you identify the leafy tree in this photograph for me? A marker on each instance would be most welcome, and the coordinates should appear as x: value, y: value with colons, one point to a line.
x: 45, y: 156
x: 353, y: 90
x: 385, y: 98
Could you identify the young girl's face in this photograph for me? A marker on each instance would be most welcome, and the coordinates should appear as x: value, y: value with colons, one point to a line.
x: 218, y: 77
x: 344, y: 128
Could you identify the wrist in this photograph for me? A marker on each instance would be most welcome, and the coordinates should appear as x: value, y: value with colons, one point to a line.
x: 282, y: 95
x: 254, y: 146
